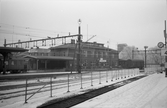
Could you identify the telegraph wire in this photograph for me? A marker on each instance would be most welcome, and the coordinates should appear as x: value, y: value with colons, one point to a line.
x: 30, y: 28
x: 28, y: 32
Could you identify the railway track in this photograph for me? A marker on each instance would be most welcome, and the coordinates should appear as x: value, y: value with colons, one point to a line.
x: 11, y: 91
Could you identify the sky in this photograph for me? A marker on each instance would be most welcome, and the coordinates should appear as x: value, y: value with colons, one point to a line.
x: 137, y: 23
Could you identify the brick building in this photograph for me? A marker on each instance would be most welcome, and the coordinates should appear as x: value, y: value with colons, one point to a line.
x: 93, y: 55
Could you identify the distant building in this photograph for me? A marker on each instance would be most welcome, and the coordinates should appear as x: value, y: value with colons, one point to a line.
x: 93, y: 55
x: 120, y: 47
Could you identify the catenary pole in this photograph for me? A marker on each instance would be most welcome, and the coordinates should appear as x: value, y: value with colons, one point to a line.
x: 165, y: 48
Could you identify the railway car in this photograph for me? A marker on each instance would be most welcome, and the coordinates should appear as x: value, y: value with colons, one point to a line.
x: 14, y: 65
x: 127, y: 64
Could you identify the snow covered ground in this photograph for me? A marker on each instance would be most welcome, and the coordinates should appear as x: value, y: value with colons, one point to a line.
x: 43, y: 97
x: 148, y: 92
x: 137, y: 94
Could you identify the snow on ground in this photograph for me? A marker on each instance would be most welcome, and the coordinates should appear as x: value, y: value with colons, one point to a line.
x: 35, y: 80
x: 148, y: 92
x: 43, y: 97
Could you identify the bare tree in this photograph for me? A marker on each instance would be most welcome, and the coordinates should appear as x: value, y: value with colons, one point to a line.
x: 128, y: 52
x: 154, y: 56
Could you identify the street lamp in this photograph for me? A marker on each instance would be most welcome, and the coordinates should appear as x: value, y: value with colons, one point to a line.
x: 79, y: 48
x: 79, y: 22
x: 145, y: 47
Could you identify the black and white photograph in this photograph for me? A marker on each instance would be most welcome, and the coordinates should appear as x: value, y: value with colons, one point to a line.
x: 83, y: 53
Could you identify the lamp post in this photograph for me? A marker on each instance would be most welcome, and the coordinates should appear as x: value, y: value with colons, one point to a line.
x: 79, y: 48
x: 165, y: 35
x: 132, y: 54
x: 145, y: 47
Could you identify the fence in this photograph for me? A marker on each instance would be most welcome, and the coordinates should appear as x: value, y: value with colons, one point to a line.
x: 69, y: 82
x: 152, y: 70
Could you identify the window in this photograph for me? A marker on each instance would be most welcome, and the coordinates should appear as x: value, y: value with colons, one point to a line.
x: 89, y: 53
x: 12, y: 63
x: 6, y: 63
x: 85, y: 53
x: 99, y: 54
x: 112, y: 55
x: 96, y: 54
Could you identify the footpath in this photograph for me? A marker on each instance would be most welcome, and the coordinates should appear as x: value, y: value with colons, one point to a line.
x: 148, y: 92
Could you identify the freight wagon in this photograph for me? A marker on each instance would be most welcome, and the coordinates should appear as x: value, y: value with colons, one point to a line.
x: 127, y: 64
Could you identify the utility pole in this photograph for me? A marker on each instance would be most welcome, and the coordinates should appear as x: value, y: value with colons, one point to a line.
x: 145, y: 47
x: 132, y: 54
x: 165, y: 48
x: 108, y: 62
x: 4, y: 42
x: 79, y: 48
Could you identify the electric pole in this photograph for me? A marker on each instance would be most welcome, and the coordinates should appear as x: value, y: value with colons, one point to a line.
x: 79, y: 48
x: 165, y: 48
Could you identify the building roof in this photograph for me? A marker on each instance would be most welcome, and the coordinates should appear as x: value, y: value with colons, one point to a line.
x: 84, y: 45
x: 42, y: 50
x: 49, y: 57
x: 69, y: 45
x: 131, y: 60
x: 11, y: 49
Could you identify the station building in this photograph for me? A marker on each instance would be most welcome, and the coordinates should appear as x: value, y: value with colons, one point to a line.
x: 93, y: 55
x: 64, y: 57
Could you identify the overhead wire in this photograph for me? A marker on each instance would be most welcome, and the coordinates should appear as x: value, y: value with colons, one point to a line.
x: 30, y: 29
x: 28, y: 32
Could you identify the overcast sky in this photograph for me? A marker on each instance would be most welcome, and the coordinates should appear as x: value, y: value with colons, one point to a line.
x: 135, y: 22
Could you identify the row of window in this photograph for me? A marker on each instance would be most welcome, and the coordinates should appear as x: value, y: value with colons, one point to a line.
x: 71, y: 54
x: 84, y: 54
x: 39, y: 54
x: 100, y: 55
x: 14, y: 62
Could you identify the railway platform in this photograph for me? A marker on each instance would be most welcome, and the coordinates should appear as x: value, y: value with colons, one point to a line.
x: 148, y: 92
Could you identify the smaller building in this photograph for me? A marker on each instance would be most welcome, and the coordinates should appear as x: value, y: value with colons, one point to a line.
x: 48, y: 62
x: 39, y: 52
x: 40, y: 59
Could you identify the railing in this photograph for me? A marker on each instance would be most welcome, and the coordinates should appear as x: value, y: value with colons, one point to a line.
x: 152, y: 70
x: 31, y: 86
